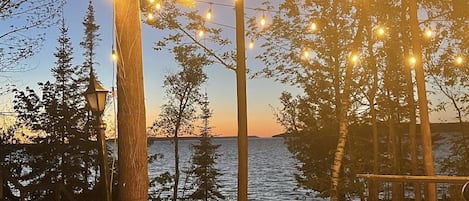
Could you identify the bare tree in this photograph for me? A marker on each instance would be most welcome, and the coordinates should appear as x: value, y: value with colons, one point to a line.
x: 23, y: 24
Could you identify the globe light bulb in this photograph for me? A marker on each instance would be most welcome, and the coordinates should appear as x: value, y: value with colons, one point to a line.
x: 209, y: 14
x: 251, y: 44
x: 412, y: 60
x: 428, y: 33
x: 380, y: 31
x: 263, y: 20
x: 201, y: 33
x: 158, y: 6
x: 150, y: 16
x: 354, y: 58
x: 458, y: 60
x: 114, y: 55
x: 314, y: 26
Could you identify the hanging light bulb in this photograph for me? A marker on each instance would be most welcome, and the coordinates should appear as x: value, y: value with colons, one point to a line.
x: 209, y: 14
x: 158, y: 5
x: 354, y: 58
x: 151, y: 1
x: 458, y: 60
x: 380, y: 31
x: 201, y: 33
x: 313, y: 26
x: 251, y: 44
x: 412, y: 60
x: 263, y: 20
x: 150, y: 16
x: 114, y: 55
x: 428, y: 33
x: 306, y: 54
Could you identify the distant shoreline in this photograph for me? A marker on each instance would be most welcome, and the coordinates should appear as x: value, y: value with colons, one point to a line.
x: 151, y: 138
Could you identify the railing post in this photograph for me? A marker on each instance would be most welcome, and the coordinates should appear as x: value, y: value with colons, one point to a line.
x: 57, y: 192
x: 1, y: 182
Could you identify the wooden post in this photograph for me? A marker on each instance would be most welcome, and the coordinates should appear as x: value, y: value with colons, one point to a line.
x: 422, y: 99
x: 242, y: 105
x: 101, y: 128
x: 132, y: 139
x: 1, y: 183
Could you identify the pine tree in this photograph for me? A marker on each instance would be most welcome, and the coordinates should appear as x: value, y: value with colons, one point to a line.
x: 57, y: 117
x: 89, y: 44
x: 203, y: 172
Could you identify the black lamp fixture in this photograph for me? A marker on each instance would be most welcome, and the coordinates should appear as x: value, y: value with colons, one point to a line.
x: 96, y: 95
x: 96, y: 98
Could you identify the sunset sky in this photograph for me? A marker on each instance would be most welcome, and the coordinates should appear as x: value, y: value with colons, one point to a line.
x: 221, y: 86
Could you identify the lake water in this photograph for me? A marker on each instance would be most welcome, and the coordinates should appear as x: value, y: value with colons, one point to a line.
x: 271, y: 167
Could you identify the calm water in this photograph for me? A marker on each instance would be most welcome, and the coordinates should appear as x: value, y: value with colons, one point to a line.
x: 271, y: 167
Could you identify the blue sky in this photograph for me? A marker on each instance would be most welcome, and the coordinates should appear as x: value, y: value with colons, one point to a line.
x: 221, y: 86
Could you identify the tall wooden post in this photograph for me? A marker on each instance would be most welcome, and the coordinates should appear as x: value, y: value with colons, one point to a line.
x: 101, y: 128
x: 242, y: 106
x: 132, y: 141
x: 422, y: 99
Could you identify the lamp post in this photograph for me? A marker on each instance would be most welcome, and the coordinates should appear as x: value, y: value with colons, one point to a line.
x: 96, y: 98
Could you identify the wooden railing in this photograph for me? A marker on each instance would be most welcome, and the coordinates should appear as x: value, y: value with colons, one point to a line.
x: 409, y: 179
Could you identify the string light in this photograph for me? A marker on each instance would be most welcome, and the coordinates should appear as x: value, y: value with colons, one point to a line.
x: 263, y: 20
x: 114, y: 55
x: 380, y: 31
x: 354, y: 58
x: 209, y: 13
x: 201, y: 33
x: 150, y: 16
x: 428, y: 33
x: 306, y: 54
x: 158, y: 5
x: 458, y: 60
x: 151, y: 1
x: 313, y: 26
x: 412, y: 60
x: 251, y: 44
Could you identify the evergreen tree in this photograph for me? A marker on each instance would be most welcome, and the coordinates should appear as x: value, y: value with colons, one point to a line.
x: 89, y: 44
x: 57, y: 118
x: 203, y: 172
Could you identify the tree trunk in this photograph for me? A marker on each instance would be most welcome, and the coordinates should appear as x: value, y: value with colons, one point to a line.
x: 343, y: 130
x: 411, y: 104
x: 176, y: 165
x: 423, y: 102
x: 132, y: 141
x: 374, y: 188
x: 396, y: 158
x: 242, y: 105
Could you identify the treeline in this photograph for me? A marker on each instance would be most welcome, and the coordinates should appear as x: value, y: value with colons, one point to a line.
x: 355, y: 63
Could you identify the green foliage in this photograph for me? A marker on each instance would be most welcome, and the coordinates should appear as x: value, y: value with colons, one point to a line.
x: 58, y: 118
x: 203, y: 173
x: 179, y: 25
x: 183, y: 93
x: 64, y: 151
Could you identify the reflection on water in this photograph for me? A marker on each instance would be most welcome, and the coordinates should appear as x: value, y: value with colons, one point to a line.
x: 271, y: 166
